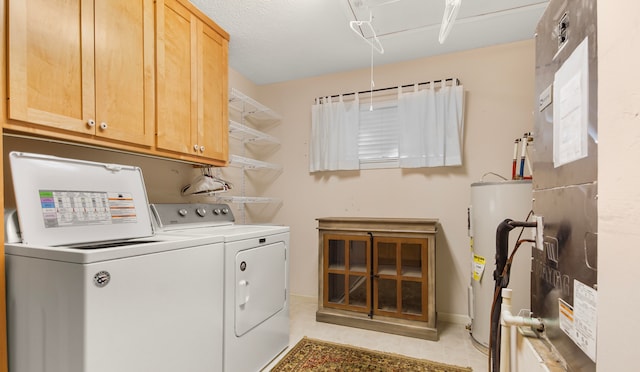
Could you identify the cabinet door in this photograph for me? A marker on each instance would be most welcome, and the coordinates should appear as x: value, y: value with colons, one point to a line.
x: 347, y: 283
x: 401, y: 277
x: 124, y: 66
x: 51, y: 63
x: 74, y: 65
x: 192, y: 84
x: 177, y: 77
x: 213, y: 124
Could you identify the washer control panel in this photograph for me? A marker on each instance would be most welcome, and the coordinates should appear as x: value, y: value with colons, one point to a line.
x: 172, y: 214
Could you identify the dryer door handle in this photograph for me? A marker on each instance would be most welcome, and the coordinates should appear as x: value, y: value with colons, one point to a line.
x: 242, y: 293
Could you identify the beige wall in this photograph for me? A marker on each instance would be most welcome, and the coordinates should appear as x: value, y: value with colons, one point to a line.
x: 163, y: 178
x: 619, y: 184
x: 498, y: 82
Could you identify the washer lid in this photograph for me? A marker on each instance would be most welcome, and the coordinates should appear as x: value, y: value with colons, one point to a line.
x: 66, y: 201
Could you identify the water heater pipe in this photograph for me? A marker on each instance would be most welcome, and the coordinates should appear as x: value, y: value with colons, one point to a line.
x: 508, y: 320
x: 501, y: 277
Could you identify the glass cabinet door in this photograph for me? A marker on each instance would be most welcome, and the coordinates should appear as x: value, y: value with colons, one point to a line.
x: 400, y: 277
x: 346, y: 280
x: 413, y: 266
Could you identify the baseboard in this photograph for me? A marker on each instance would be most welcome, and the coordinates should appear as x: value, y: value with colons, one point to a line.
x: 398, y: 326
x: 453, y: 318
x: 304, y: 297
x: 442, y: 317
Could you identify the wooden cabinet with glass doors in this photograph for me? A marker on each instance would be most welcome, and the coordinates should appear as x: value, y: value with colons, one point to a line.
x: 378, y: 274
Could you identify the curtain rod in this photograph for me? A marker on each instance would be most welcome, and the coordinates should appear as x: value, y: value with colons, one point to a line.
x: 454, y: 80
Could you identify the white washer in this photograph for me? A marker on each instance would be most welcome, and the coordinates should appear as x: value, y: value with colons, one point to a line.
x: 256, y: 290
x: 89, y: 286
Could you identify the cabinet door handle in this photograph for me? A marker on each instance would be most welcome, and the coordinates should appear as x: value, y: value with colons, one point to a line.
x: 103, y: 126
x: 195, y: 147
x: 201, y: 148
x: 91, y: 123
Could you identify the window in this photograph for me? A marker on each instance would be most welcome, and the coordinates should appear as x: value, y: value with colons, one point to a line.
x: 378, y: 135
x: 415, y: 129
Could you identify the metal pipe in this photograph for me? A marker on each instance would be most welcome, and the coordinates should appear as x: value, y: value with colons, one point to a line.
x: 523, y: 155
x: 514, y: 165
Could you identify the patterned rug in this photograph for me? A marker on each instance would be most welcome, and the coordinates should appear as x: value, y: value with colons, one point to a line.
x: 316, y: 355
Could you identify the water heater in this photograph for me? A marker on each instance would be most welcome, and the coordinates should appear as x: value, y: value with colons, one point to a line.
x: 492, y: 203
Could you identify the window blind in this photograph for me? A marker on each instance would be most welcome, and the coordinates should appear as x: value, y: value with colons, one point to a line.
x: 378, y: 136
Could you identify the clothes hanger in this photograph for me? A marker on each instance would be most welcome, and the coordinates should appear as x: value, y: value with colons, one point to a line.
x: 374, y: 42
x: 206, y: 184
x: 448, y: 18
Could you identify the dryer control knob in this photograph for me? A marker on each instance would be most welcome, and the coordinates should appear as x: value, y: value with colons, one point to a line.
x: 216, y: 211
x: 225, y: 210
x: 183, y: 212
x: 201, y: 212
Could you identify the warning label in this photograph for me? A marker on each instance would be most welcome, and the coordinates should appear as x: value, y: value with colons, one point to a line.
x: 579, y: 321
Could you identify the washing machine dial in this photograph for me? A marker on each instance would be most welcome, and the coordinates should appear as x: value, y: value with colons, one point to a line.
x: 201, y: 212
x: 216, y: 211
x: 225, y: 210
x: 183, y: 212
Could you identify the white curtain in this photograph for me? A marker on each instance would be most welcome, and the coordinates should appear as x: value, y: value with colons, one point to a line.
x: 334, y: 135
x: 431, y: 127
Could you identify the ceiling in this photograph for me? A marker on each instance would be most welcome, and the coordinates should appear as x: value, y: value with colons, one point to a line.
x: 280, y: 40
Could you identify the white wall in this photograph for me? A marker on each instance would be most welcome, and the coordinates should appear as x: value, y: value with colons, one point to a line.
x: 619, y: 180
x: 498, y: 82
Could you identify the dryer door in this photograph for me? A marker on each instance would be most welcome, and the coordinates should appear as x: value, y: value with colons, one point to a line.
x: 260, y: 285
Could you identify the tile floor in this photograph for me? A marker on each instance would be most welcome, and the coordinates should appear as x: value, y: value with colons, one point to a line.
x: 454, y: 347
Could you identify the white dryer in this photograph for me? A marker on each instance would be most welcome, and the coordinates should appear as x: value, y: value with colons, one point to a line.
x: 256, y: 306
x: 256, y: 277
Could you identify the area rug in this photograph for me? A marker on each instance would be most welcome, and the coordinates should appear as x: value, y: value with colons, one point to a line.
x: 316, y: 355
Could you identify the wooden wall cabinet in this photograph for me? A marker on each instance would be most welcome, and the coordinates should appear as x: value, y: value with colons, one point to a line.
x: 141, y: 76
x: 82, y: 69
x: 192, y: 84
x: 378, y: 274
